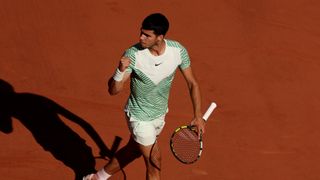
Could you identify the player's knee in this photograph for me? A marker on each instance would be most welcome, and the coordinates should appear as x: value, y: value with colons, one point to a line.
x: 153, y: 163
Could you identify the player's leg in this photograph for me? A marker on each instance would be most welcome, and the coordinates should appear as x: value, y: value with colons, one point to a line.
x: 133, y: 150
x: 152, y: 159
x: 145, y: 134
x: 122, y: 158
x: 142, y: 142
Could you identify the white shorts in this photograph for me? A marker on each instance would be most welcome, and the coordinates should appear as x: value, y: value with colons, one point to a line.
x: 145, y: 132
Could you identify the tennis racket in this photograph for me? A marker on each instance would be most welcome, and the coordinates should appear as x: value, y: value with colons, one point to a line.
x: 185, y: 143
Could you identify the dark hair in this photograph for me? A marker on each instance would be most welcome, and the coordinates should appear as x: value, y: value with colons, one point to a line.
x: 156, y: 22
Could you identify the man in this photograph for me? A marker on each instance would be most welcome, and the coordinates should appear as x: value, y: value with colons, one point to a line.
x: 150, y: 65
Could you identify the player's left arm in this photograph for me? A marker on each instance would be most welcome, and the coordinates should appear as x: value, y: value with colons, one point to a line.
x: 195, y: 95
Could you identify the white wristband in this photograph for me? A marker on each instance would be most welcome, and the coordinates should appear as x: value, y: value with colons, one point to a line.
x: 118, y: 75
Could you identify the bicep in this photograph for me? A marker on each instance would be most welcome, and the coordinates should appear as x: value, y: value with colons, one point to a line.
x: 188, y: 76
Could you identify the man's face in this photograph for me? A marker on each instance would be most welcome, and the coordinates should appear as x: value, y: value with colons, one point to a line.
x: 148, y: 38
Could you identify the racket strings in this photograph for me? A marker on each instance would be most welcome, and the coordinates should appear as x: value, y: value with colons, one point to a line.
x: 186, y: 145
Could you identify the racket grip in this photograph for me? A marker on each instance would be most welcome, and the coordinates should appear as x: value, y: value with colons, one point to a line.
x: 209, y: 111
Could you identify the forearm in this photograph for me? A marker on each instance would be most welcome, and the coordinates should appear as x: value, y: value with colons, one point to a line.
x: 116, y: 82
x: 114, y: 87
x: 196, y: 99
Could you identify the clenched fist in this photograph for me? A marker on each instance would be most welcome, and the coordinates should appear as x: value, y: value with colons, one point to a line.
x: 124, y: 63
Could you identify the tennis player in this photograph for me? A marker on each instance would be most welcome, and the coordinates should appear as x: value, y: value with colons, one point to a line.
x: 150, y: 65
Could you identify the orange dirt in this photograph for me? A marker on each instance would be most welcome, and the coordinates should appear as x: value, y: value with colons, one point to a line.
x: 258, y: 60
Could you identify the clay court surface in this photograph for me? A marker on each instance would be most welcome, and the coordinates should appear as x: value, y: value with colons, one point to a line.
x: 258, y: 60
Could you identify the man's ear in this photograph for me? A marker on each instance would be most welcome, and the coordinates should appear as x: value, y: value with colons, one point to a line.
x: 160, y: 37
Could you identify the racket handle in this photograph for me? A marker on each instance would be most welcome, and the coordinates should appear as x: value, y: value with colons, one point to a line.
x: 209, y: 111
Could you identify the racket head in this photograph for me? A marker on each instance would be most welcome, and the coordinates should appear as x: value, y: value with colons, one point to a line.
x: 186, y: 145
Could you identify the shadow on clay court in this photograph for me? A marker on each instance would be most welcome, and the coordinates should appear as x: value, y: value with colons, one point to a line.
x: 40, y: 116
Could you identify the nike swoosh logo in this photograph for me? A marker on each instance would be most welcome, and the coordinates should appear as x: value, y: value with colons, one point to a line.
x: 157, y: 64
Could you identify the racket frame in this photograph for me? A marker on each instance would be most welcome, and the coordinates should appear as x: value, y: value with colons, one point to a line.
x: 205, y: 117
x: 191, y: 128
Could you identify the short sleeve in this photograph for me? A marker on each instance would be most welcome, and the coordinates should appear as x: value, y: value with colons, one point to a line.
x: 185, y: 59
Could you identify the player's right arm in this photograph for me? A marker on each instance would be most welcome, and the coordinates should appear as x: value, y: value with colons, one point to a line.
x: 116, y: 82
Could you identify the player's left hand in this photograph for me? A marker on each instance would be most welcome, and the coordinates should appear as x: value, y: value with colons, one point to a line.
x: 200, y: 125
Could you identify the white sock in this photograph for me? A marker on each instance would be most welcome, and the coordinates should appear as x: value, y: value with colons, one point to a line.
x: 103, y: 175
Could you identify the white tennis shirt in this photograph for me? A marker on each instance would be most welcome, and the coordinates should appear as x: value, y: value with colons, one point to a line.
x: 151, y: 78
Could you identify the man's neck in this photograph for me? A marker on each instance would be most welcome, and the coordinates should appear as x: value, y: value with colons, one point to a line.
x: 158, y: 48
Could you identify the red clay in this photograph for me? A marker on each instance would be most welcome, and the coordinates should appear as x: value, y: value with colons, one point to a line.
x: 259, y: 60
